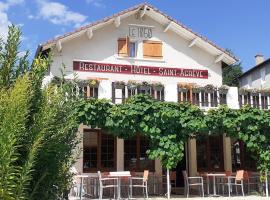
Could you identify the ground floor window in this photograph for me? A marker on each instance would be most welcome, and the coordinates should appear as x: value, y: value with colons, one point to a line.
x: 210, y: 153
x: 135, y: 157
x: 99, y: 151
x: 241, y: 157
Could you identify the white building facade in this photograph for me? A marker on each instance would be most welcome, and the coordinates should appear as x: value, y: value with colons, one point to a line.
x: 145, y: 47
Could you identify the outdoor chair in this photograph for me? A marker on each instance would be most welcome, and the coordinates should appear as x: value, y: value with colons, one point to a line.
x: 141, y: 184
x: 252, y: 181
x: 192, y: 181
x: 107, y: 183
x: 238, y: 181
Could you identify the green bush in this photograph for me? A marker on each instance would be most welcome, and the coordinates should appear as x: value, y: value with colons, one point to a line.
x: 37, y: 128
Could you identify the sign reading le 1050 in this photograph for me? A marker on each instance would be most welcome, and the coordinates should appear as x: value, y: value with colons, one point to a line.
x: 140, y: 32
x: 138, y: 70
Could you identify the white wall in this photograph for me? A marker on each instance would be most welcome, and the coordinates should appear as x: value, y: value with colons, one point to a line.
x: 102, y: 47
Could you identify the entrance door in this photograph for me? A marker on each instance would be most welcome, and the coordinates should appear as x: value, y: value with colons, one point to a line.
x: 210, y: 154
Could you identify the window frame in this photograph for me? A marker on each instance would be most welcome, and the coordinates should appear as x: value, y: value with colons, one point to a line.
x: 206, y: 143
x: 138, y: 167
x: 99, y: 159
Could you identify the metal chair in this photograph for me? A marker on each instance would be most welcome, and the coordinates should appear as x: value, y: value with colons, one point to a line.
x: 143, y: 184
x: 238, y: 181
x: 192, y: 181
x: 251, y: 180
x: 105, y: 182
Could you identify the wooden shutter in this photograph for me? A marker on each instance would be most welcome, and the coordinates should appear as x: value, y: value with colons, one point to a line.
x: 152, y: 49
x: 123, y: 47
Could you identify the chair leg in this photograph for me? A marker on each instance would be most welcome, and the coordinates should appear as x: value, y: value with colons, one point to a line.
x: 202, y: 191
x: 187, y: 191
x: 100, y: 192
x: 146, y: 191
x: 130, y: 191
x: 242, y: 186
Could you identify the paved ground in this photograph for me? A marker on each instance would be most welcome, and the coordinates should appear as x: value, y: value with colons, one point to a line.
x: 199, y: 198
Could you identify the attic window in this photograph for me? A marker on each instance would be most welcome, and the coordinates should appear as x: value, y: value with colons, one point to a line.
x: 126, y: 48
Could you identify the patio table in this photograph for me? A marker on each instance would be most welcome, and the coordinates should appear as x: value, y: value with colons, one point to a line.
x: 119, y: 175
x: 214, y: 175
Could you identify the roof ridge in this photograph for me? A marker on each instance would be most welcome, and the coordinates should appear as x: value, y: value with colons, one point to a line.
x: 132, y: 9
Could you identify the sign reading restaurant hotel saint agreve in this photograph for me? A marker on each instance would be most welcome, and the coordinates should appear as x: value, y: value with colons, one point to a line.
x: 138, y: 70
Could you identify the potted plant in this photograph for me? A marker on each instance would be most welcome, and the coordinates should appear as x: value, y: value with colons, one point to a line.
x: 196, y: 88
x: 144, y: 86
x: 93, y: 83
x: 183, y: 87
x: 223, y: 89
x: 119, y: 84
x: 132, y: 85
x: 158, y: 86
x: 243, y: 91
x: 265, y: 92
x: 209, y: 88
x: 254, y: 92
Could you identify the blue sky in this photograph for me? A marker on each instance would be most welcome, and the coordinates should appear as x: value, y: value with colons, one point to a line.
x: 242, y: 26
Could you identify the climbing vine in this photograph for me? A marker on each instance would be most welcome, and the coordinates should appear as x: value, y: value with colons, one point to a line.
x: 169, y: 125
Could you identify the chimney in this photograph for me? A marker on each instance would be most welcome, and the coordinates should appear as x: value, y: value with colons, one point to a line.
x: 259, y: 59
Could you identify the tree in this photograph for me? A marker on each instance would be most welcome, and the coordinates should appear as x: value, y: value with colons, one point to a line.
x: 37, y: 128
x: 231, y: 73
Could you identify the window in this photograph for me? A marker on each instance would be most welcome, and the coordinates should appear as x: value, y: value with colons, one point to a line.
x: 255, y: 100
x: 135, y: 157
x: 120, y: 93
x: 152, y: 49
x: 222, y: 99
x: 264, y: 101
x: 98, y: 151
x: 123, y: 49
x: 126, y: 48
x: 196, y: 98
x: 244, y: 99
x: 205, y: 99
x: 132, y: 49
x: 210, y: 153
x: 85, y: 91
x: 213, y: 97
x: 241, y: 157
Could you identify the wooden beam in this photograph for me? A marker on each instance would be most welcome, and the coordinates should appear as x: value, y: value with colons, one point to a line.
x: 219, y: 58
x: 167, y: 27
x: 117, y: 21
x: 59, y: 46
x: 193, y: 42
x: 89, y: 33
x: 143, y: 11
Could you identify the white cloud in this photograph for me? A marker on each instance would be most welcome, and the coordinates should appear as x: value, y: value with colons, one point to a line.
x: 97, y: 3
x: 4, y: 21
x: 58, y: 13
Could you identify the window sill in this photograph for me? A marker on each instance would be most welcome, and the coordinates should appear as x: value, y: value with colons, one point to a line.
x: 140, y: 59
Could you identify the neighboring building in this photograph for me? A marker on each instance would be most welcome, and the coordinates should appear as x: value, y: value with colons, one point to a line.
x: 255, y: 84
x: 258, y: 76
x: 144, y: 44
